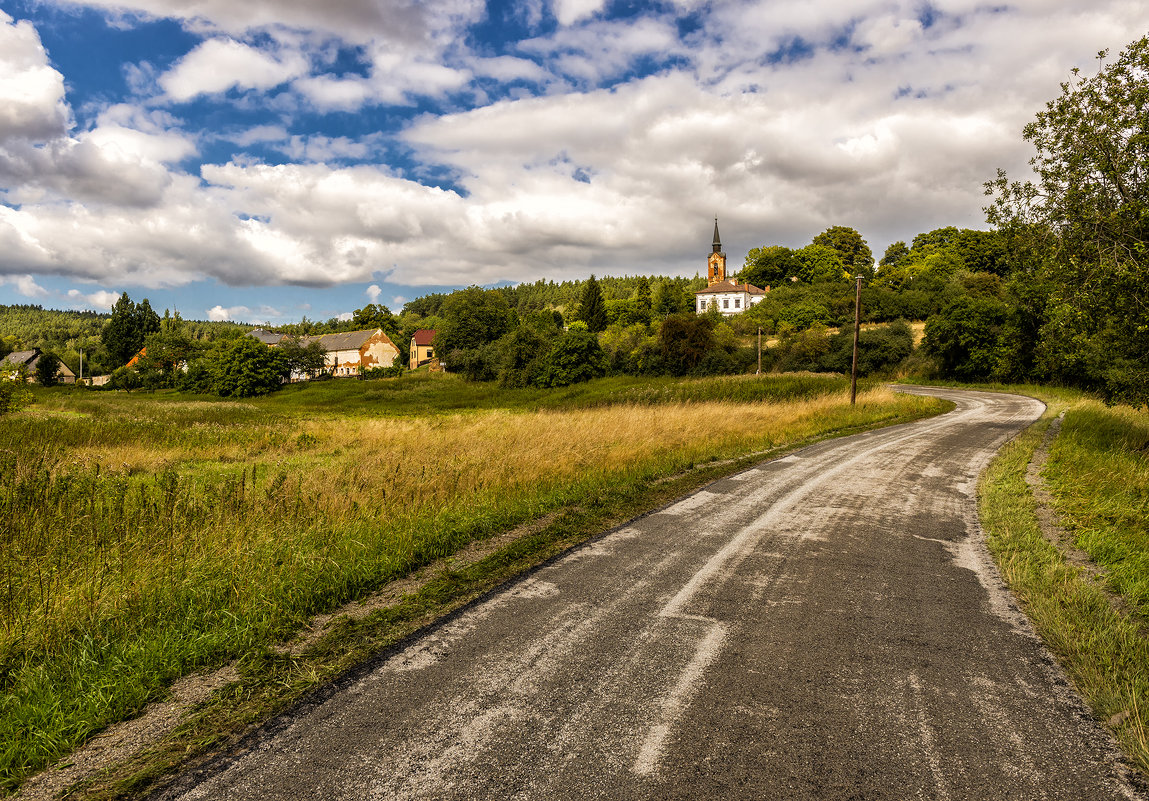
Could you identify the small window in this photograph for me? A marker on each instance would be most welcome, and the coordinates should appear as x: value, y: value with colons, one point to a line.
x: 726, y: 303
x: 430, y: 353
x: 736, y: 302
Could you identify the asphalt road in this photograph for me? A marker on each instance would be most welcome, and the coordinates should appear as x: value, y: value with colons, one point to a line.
x: 827, y: 625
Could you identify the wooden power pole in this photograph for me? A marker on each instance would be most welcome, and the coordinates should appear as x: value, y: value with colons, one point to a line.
x: 857, y: 327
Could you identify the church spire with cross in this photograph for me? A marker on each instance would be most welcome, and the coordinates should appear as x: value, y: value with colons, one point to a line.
x: 716, y: 262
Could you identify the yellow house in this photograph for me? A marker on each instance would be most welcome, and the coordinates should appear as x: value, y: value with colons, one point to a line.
x: 421, y: 350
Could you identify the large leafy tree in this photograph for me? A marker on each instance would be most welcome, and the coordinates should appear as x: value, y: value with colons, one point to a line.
x: 245, y: 366
x: 1087, y: 210
x: 770, y: 265
x: 852, y: 249
x: 47, y: 366
x: 470, y: 319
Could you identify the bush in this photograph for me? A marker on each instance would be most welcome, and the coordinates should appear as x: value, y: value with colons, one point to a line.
x: 14, y: 392
x: 373, y: 373
x: 575, y: 356
x: 245, y: 367
x: 880, y: 350
x: 125, y: 378
x: 684, y: 340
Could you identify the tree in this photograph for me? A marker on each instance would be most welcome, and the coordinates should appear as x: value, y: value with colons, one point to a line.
x: 642, y: 295
x: 1089, y: 211
x: 245, y: 366
x: 574, y: 357
x: 119, y: 333
x: 124, y: 333
x: 523, y: 355
x: 591, y: 308
x: 821, y: 264
x: 47, y: 366
x: 147, y: 321
x: 684, y: 340
x: 666, y: 297
x: 852, y: 249
x: 770, y: 266
x: 470, y: 319
x: 303, y: 360
x: 376, y: 315
x: 894, y: 254
x: 966, y: 337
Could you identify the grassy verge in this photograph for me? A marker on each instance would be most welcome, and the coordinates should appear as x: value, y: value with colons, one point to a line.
x: 148, y: 537
x: 1097, y: 470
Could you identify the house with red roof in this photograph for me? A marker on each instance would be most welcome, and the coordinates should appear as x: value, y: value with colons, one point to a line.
x: 421, y: 350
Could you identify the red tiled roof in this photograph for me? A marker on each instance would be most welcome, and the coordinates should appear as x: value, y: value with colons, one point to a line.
x: 727, y: 286
x: 423, y: 337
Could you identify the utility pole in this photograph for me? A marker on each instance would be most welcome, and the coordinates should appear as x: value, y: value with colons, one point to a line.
x: 759, y: 351
x: 857, y: 327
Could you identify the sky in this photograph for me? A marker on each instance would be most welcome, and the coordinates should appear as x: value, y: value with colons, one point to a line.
x: 268, y: 160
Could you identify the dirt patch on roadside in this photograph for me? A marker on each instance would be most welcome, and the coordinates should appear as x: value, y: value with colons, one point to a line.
x: 121, y: 741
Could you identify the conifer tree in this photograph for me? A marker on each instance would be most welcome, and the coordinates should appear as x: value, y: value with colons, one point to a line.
x: 592, y: 309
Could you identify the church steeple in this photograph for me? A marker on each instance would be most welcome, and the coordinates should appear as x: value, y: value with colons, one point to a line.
x: 716, y: 262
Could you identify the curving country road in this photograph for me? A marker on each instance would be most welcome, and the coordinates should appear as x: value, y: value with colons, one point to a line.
x: 823, y: 626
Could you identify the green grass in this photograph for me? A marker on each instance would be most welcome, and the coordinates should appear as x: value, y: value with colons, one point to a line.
x: 1097, y: 469
x: 1099, y: 474
x: 147, y: 536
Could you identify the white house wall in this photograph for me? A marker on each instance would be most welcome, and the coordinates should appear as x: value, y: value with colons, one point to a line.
x: 744, y: 301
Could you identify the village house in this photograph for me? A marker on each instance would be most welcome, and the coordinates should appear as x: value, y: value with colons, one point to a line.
x: 729, y: 297
x: 28, y: 359
x: 347, y: 352
x: 421, y: 350
x: 265, y: 336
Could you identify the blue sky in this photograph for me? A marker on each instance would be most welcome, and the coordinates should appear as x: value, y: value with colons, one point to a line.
x: 267, y: 160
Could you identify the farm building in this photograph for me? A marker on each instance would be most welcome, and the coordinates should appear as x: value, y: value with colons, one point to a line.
x: 28, y: 360
x: 349, y: 351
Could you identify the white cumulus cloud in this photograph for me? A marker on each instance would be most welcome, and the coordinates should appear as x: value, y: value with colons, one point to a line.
x: 220, y: 64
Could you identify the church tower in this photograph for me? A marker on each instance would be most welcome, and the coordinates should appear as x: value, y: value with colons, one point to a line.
x: 716, y: 262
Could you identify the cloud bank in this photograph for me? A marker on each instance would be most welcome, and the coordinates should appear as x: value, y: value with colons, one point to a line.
x: 590, y: 143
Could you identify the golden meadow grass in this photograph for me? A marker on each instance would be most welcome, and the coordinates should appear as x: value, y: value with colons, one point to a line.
x: 148, y: 537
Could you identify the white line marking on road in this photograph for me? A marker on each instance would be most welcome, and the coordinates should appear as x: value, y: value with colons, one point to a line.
x: 675, y: 704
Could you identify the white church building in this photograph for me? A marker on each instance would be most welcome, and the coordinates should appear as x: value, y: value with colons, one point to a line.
x: 728, y: 297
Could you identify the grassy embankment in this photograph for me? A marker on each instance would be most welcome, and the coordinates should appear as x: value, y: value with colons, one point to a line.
x: 146, y: 537
x: 1098, y: 473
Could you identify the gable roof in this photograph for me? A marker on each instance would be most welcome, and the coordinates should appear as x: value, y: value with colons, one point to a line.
x: 347, y: 340
x: 264, y: 336
x: 423, y: 336
x: 727, y: 286
x: 21, y: 357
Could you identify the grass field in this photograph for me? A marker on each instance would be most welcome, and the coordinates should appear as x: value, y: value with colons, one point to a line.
x: 147, y: 536
x: 1098, y: 472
